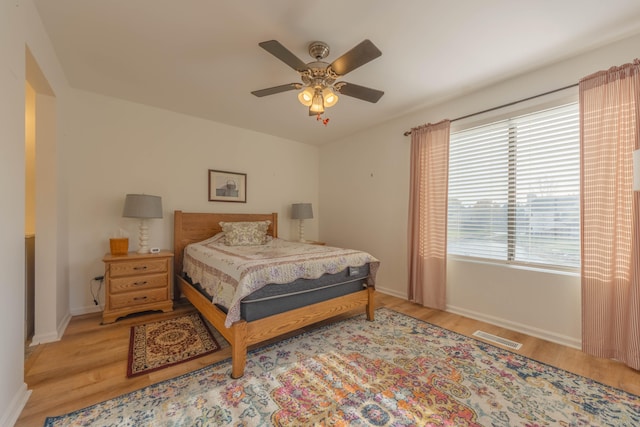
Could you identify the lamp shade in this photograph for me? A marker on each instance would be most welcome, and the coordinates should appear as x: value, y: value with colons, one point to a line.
x: 301, y: 211
x: 330, y: 98
x: 317, y: 103
x: 142, y: 206
x: 306, y: 96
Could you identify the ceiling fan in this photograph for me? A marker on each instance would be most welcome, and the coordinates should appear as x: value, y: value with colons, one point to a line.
x: 319, y: 78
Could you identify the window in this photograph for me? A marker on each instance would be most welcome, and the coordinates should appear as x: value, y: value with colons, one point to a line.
x: 514, y: 188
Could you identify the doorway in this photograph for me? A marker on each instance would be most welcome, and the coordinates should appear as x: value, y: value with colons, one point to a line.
x: 42, y: 296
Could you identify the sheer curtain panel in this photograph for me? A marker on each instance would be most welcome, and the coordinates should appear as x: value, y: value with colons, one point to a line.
x: 609, y: 117
x: 428, y: 214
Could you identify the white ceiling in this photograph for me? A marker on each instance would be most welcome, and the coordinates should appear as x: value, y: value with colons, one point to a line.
x: 201, y: 57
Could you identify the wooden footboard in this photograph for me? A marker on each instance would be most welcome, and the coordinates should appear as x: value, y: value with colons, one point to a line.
x: 242, y: 334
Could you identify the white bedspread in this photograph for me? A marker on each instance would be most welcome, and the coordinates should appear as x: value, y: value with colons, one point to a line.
x: 230, y: 273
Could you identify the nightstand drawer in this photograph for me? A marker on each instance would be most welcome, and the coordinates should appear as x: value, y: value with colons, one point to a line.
x: 138, y: 283
x: 131, y: 299
x: 138, y: 267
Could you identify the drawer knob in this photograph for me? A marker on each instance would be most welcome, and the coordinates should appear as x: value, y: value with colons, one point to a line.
x: 140, y: 283
x: 142, y: 267
x: 140, y: 298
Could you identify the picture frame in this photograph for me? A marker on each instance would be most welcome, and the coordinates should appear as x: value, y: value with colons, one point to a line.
x: 225, y: 186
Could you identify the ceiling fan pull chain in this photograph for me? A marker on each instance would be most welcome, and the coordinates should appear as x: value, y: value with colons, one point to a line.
x: 324, y: 121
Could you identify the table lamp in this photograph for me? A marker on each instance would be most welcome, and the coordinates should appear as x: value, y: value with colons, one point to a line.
x: 142, y: 206
x: 301, y: 211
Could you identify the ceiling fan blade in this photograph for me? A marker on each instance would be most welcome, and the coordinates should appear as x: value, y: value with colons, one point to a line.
x: 276, y: 89
x: 360, y: 92
x: 361, y: 54
x: 275, y: 48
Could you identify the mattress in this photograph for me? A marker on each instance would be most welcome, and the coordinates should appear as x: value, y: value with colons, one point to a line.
x: 278, y: 298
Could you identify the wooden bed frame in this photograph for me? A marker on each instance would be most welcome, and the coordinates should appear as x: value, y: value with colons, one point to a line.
x: 195, y: 227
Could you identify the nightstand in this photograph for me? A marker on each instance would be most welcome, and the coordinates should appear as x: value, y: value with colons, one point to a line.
x: 313, y: 242
x: 137, y: 282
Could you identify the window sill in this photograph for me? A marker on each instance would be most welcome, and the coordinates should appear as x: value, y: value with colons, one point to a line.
x: 565, y: 271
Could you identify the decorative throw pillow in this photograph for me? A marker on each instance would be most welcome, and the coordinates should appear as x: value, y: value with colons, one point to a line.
x: 245, y: 233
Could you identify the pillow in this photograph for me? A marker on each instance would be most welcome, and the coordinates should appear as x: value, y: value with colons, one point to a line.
x: 245, y: 233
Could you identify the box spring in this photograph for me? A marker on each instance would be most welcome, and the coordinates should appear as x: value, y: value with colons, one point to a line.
x: 278, y: 298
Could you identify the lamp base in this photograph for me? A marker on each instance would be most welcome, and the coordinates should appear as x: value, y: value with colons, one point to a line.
x: 143, y: 237
x: 301, y: 231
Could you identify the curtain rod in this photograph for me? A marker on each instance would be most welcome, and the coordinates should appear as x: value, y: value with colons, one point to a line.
x: 407, y: 133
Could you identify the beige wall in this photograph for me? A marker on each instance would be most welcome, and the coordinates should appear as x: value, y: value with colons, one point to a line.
x: 13, y: 392
x: 114, y: 147
x: 30, y: 160
x: 364, y: 197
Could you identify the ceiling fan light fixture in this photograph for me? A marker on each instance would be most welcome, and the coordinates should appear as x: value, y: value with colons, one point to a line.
x: 306, y: 96
x: 330, y: 98
x: 320, y: 86
x: 317, y: 103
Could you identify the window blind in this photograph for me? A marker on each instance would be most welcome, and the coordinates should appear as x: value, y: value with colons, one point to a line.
x: 514, y: 189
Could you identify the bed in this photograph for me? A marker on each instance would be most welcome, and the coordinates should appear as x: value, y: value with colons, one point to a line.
x: 252, y: 319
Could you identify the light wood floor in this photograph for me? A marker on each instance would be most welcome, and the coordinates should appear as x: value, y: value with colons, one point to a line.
x: 89, y: 364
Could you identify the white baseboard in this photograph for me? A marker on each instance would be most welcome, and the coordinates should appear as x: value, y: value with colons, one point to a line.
x: 504, y: 323
x: 51, y: 336
x: 514, y: 326
x: 16, y: 406
x: 44, y: 338
x: 63, y: 325
x: 391, y: 292
x: 518, y: 327
x: 86, y: 310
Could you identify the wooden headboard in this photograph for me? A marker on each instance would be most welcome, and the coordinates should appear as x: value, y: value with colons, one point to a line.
x: 189, y: 227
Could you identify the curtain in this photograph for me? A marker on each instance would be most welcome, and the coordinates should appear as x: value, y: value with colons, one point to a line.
x: 609, y: 125
x: 428, y: 214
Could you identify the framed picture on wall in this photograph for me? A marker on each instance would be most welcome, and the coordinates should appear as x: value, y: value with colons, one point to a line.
x: 227, y: 186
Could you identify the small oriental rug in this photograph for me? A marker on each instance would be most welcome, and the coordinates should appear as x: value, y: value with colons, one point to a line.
x: 396, y: 371
x: 164, y: 343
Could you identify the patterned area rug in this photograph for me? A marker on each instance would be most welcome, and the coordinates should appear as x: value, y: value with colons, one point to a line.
x: 156, y: 345
x: 396, y: 371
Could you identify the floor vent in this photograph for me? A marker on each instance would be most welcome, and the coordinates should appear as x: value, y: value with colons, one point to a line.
x: 498, y: 340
